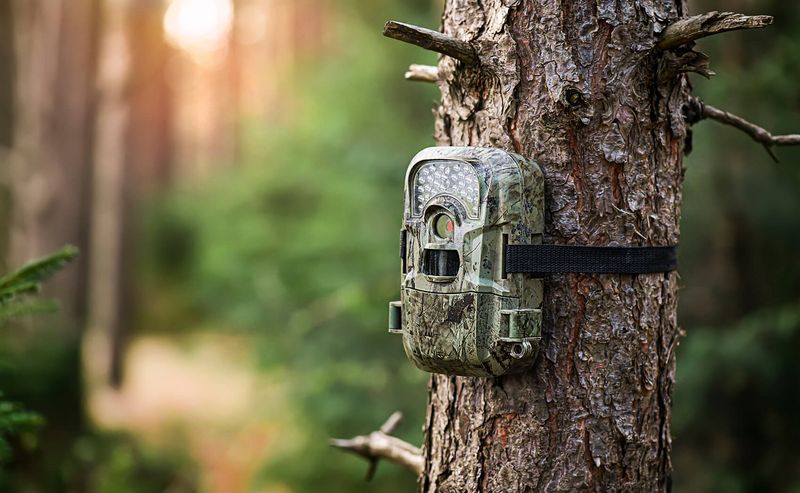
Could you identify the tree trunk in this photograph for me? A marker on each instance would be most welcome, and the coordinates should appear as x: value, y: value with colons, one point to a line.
x: 7, y: 107
x: 102, y: 344
x: 48, y: 165
x: 580, y: 88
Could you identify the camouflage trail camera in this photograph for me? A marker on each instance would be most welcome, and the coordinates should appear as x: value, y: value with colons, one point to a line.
x: 472, y: 262
x: 460, y: 312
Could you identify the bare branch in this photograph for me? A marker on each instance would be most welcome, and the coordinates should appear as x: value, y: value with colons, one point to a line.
x: 422, y: 73
x: 688, y: 29
x: 380, y: 445
x: 700, y: 111
x: 391, y: 423
x: 431, y: 40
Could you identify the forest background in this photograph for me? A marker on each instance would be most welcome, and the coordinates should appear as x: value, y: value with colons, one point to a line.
x: 232, y: 173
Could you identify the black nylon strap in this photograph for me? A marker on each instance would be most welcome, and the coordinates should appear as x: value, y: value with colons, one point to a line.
x: 554, y: 259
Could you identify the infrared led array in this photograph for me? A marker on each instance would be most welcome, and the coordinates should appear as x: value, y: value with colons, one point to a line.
x: 454, y: 178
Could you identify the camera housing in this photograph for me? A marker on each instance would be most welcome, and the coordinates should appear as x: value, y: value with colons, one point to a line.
x: 460, y: 312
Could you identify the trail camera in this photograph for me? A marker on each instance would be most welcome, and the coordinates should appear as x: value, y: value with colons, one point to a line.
x: 472, y: 262
x: 461, y: 312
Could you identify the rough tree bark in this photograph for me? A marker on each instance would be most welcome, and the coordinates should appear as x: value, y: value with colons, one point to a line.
x: 582, y: 88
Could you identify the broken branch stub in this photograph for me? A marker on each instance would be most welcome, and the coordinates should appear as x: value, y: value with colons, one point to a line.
x: 422, y: 73
x: 431, y: 40
x: 688, y: 29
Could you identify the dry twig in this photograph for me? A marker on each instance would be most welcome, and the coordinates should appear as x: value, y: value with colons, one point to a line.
x: 431, y: 40
x: 381, y: 445
x: 698, y: 110
x: 422, y: 73
x: 688, y: 29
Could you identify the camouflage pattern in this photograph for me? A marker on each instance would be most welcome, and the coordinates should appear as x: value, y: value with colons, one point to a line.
x: 480, y: 322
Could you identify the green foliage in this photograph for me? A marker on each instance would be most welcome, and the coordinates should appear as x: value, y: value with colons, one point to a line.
x: 73, y: 458
x: 118, y: 463
x: 15, y: 422
x: 736, y: 401
x: 100, y: 462
x: 16, y: 288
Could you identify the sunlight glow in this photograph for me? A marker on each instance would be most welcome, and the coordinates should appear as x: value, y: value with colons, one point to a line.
x: 200, y: 27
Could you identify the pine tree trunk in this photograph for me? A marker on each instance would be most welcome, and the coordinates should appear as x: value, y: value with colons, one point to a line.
x: 580, y: 88
x: 48, y: 165
x: 8, y: 68
x: 102, y: 344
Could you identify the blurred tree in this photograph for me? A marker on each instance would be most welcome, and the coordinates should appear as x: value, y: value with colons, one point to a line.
x: 7, y: 69
x: 113, y: 188
x: 48, y: 166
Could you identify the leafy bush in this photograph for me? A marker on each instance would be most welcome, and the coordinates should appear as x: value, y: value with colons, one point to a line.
x: 735, y: 405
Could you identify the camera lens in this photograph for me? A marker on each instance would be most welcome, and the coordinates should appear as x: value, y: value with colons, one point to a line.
x: 443, y: 226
